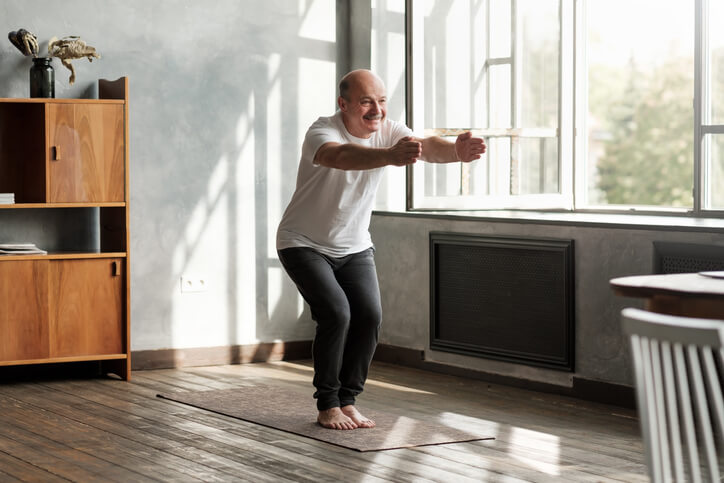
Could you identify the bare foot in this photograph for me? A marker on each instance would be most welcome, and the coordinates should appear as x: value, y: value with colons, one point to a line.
x: 357, y: 418
x: 334, y: 418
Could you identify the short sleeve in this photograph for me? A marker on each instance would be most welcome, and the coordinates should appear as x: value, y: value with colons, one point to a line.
x: 397, y: 131
x: 319, y: 134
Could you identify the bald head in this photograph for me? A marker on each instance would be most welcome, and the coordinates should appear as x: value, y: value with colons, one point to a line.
x: 356, y: 78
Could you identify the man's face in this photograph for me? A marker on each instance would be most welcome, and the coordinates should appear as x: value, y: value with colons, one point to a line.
x: 366, y: 107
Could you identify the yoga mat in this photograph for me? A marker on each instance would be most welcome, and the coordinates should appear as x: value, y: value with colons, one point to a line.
x: 293, y: 411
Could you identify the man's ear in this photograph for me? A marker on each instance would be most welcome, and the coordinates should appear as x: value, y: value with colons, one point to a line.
x: 342, y: 103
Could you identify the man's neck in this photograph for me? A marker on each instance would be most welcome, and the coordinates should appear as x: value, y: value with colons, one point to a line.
x: 364, y: 135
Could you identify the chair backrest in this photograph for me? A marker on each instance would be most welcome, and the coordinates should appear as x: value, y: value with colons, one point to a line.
x: 678, y: 363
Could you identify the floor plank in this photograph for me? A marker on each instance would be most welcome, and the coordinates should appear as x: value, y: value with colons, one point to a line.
x: 102, y: 429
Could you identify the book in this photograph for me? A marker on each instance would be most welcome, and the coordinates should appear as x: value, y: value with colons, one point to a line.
x: 7, y: 198
x: 20, y: 249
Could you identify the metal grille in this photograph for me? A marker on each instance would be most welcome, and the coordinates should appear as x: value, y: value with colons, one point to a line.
x: 503, y: 298
x: 687, y: 257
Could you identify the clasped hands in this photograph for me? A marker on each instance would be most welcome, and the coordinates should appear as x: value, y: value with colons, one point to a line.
x: 409, y: 149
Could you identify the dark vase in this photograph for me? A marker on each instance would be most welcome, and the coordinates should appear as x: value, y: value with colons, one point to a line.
x: 42, y: 78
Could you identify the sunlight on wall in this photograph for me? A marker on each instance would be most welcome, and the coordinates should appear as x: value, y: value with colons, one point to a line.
x: 319, y: 19
x: 199, y: 315
x: 314, y: 96
x: 239, y: 179
x: 317, y: 89
x: 276, y: 278
x: 274, y: 110
x: 245, y: 229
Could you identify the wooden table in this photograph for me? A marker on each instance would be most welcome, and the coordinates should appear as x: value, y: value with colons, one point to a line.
x: 686, y: 294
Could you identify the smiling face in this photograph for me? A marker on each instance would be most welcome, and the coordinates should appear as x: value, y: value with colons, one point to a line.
x: 363, y: 102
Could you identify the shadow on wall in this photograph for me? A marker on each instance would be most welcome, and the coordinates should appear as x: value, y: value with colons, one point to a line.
x: 221, y: 95
x: 239, y: 132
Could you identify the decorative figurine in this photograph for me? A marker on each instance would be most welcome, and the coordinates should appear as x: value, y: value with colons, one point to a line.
x: 25, y: 41
x: 69, y: 48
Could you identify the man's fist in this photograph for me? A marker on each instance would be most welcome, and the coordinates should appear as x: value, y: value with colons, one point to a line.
x: 468, y: 148
x: 405, y: 152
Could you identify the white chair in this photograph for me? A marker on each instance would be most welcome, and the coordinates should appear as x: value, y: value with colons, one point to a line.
x: 675, y: 365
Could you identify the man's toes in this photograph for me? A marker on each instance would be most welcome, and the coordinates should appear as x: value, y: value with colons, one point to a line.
x: 367, y: 424
x: 343, y: 425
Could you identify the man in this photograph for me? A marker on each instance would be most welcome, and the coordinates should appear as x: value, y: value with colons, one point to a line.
x: 323, y: 239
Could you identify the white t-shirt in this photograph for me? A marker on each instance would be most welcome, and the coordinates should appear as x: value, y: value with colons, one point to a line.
x: 331, y: 208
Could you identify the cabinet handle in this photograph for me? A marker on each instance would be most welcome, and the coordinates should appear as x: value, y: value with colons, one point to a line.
x: 56, y: 153
x: 116, y: 269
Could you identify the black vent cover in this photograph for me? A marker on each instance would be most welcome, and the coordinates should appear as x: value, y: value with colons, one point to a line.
x: 503, y: 298
x: 671, y: 257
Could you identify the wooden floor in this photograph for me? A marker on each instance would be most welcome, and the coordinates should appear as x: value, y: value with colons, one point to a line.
x: 102, y: 429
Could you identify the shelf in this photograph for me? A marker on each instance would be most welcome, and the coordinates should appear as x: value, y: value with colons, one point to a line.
x: 64, y: 256
x: 94, y: 357
x: 114, y: 204
x: 70, y: 304
x: 46, y: 100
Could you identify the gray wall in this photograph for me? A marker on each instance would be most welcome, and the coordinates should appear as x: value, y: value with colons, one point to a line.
x: 601, y: 253
x: 221, y: 94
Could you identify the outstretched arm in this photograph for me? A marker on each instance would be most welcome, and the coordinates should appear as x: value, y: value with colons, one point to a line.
x: 466, y: 148
x: 355, y: 157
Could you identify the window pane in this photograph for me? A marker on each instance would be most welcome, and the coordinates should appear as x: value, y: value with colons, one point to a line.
x: 387, y: 57
x: 539, y: 45
x: 640, y: 110
x: 387, y: 53
x: 499, y: 96
x: 715, y: 147
x: 500, y: 28
x: 537, y: 166
x: 478, y: 67
x: 451, y: 48
x: 442, y: 179
x: 479, y: 176
x: 716, y: 68
x: 499, y: 165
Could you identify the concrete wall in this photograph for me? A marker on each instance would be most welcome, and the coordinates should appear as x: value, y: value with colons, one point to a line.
x: 601, y: 252
x: 221, y: 94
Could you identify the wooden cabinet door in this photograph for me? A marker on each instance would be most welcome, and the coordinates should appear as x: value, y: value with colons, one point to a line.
x: 23, y: 310
x: 86, y: 153
x: 86, y: 307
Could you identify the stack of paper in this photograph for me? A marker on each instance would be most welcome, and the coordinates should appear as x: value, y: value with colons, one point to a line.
x: 7, y: 198
x: 20, y: 249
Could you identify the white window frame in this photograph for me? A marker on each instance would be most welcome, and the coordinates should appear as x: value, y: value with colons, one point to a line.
x: 564, y: 132
x: 702, y: 114
x: 571, y: 118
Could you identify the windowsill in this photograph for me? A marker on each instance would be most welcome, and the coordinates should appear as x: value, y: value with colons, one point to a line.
x: 609, y: 220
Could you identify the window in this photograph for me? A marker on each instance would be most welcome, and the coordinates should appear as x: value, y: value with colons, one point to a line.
x: 711, y: 131
x: 584, y: 104
x: 492, y: 67
x: 636, y: 112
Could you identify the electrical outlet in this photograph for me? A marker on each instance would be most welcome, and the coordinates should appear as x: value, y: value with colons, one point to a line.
x: 193, y: 284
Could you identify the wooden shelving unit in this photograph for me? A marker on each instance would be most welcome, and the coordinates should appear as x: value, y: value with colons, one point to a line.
x: 71, y: 305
